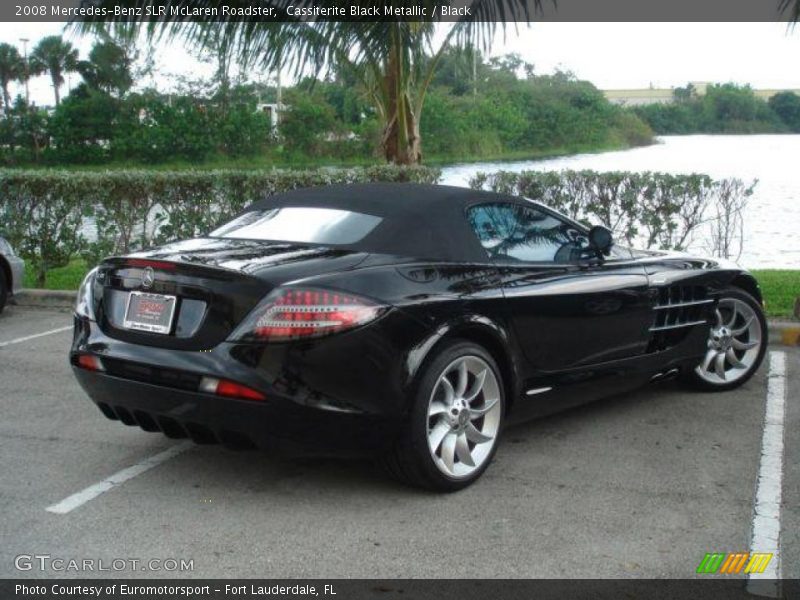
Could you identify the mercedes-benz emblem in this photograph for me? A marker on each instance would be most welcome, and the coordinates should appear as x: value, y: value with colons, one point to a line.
x: 148, y: 277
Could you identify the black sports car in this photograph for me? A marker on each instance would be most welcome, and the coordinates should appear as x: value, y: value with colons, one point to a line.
x: 410, y: 322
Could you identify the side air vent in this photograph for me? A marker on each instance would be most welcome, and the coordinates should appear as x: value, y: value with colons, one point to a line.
x: 677, y: 310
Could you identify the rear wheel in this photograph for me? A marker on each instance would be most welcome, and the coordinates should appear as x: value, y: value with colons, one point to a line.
x: 737, y: 341
x: 455, y: 422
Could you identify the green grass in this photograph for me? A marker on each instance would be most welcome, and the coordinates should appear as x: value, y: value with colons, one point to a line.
x: 779, y: 287
x: 61, y: 278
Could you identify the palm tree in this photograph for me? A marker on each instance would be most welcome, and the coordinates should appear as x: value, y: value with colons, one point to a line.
x: 394, y: 60
x: 790, y: 7
x: 108, y: 68
x: 55, y: 56
x: 12, y: 68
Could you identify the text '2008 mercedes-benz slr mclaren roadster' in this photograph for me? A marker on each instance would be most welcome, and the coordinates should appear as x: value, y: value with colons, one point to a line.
x: 406, y: 322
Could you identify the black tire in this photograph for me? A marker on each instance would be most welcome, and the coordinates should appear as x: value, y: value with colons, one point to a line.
x: 689, y: 375
x: 410, y: 460
x: 3, y: 290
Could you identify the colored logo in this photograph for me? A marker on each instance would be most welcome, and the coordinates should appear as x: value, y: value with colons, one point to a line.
x: 734, y: 562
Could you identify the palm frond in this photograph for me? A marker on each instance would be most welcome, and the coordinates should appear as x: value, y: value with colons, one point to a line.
x: 790, y: 7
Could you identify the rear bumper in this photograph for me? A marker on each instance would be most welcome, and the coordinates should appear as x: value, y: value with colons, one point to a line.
x: 342, y: 395
x: 275, y: 424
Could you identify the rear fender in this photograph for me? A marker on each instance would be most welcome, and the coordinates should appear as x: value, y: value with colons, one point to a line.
x: 480, y: 329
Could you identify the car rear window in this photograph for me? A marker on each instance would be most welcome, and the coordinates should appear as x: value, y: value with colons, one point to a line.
x: 311, y: 225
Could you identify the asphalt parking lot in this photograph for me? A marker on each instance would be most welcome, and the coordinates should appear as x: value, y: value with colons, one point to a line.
x: 641, y: 485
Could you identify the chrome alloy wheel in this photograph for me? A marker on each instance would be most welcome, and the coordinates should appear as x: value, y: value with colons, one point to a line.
x: 734, y: 343
x: 464, y: 415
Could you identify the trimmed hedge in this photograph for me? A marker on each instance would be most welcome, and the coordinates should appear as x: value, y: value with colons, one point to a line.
x: 44, y: 214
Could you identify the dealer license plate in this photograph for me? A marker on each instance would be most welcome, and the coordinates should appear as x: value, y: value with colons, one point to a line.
x: 150, y: 312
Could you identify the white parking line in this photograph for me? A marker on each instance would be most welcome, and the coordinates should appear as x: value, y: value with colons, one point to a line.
x: 93, y: 491
x: 769, y: 488
x: 35, y: 335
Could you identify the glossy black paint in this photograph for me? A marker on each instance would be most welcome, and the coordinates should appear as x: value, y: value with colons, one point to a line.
x: 569, y: 332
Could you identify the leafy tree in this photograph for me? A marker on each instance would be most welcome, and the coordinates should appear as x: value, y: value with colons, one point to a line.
x: 787, y: 106
x: 108, y: 68
x: 182, y: 128
x: 12, y: 68
x: 83, y: 126
x: 729, y: 102
x: 678, y: 118
x: 390, y: 58
x: 56, y: 57
x: 512, y: 64
x: 241, y: 130
x: 461, y: 69
x: 684, y: 94
x: 307, y: 122
x: 343, y: 94
x: 23, y: 134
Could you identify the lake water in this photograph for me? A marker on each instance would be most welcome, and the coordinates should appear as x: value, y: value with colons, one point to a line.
x: 772, y: 217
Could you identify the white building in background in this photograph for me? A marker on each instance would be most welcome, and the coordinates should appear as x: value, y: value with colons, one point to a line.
x: 639, y: 97
x: 272, y: 109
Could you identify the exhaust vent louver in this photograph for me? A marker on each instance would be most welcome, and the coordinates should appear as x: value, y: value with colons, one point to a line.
x: 678, y: 309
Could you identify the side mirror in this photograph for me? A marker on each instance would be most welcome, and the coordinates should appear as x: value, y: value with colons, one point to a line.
x: 601, y: 240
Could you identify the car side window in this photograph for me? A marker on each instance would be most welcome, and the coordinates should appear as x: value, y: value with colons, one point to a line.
x: 524, y: 233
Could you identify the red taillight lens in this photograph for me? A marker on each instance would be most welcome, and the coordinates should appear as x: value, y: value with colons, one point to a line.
x: 306, y: 313
x: 89, y: 362
x: 229, y: 389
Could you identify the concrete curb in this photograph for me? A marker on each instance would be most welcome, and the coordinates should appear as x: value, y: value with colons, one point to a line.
x: 784, y: 332
x: 780, y: 332
x: 53, y: 299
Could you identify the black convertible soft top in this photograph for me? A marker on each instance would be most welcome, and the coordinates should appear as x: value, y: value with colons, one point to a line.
x: 418, y: 220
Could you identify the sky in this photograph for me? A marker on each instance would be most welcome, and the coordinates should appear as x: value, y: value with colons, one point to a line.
x: 610, y: 55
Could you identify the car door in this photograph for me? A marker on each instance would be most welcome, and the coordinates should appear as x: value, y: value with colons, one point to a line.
x: 569, y: 309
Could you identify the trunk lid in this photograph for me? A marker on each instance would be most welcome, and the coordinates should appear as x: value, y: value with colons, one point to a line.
x: 215, y: 283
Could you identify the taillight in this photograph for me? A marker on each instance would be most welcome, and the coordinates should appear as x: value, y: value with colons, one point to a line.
x: 229, y: 389
x: 293, y: 314
x: 89, y: 362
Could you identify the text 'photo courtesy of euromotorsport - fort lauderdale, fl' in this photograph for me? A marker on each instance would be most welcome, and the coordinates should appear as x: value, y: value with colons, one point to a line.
x: 138, y: 590
x: 426, y: 300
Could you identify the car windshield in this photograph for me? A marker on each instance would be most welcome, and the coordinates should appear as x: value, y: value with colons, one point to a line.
x: 300, y: 224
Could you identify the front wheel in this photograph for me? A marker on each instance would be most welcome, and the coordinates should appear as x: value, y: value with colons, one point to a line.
x: 737, y: 341
x: 455, y: 422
